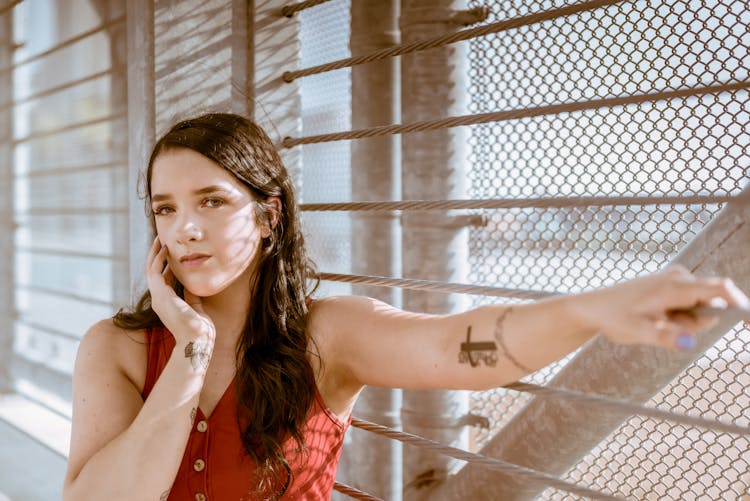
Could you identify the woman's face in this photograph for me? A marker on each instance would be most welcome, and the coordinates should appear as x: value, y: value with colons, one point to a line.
x: 206, y: 218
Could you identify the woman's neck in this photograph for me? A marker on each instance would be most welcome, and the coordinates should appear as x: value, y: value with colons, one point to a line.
x: 228, y: 311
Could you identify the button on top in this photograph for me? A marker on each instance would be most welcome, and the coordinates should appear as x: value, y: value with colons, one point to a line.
x: 200, y: 497
x: 199, y: 465
x: 202, y: 426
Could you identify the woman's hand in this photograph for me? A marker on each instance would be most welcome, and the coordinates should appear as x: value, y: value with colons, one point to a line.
x: 654, y: 310
x: 184, y: 318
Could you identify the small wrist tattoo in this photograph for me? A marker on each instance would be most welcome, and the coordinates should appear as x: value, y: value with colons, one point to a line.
x: 199, y: 354
x: 164, y: 495
x: 499, y: 332
x: 193, y: 413
x: 473, y: 352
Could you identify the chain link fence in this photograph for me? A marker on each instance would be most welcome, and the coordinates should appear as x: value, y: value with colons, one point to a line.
x: 695, y: 145
x: 689, y: 146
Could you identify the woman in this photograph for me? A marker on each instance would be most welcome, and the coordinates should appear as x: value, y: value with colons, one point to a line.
x: 226, y: 382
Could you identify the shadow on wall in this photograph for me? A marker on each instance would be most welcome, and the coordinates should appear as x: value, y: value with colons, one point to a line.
x: 192, y: 58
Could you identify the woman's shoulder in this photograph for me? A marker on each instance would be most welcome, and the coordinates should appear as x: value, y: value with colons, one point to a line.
x: 125, y: 349
x: 334, y: 311
x: 331, y: 306
x: 106, y: 337
x: 327, y: 313
x: 334, y: 323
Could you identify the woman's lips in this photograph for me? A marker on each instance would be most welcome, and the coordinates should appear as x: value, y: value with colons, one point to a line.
x: 193, y: 260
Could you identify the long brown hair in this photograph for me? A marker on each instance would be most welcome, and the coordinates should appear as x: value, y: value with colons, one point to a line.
x: 274, y: 379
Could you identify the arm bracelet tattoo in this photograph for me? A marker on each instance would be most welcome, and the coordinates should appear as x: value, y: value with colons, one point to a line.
x: 499, y: 331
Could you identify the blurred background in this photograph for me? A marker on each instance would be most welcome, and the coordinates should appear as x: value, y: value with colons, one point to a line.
x: 623, y: 148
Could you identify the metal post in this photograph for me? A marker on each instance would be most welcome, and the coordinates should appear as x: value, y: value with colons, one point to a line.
x: 370, y: 462
x: 434, y: 244
x: 7, y: 225
x: 141, y: 130
x: 628, y: 372
x: 242, y: 58
x: 118, y: 99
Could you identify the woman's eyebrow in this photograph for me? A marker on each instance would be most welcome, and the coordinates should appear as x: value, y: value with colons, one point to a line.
x: 213, y: 189
x: 156, y: 197
x: 159, y: 197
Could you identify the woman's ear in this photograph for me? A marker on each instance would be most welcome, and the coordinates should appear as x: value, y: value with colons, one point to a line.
x: 274, y: 212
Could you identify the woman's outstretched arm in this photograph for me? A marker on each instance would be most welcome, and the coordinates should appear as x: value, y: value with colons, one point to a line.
x: 123, y: 448
x: 366, y: 342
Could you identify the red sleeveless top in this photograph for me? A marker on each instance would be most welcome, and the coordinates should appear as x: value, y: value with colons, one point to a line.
x: 215, y: 465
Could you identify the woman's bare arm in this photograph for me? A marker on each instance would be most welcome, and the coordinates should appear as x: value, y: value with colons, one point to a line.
x: 366, y: 342
x: 121, y: 447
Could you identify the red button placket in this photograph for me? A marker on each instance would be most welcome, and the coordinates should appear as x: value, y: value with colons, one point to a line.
x: 198, y: 458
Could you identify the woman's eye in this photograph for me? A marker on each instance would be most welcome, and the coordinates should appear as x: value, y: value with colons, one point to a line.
x: 213, y: 202
x: 162, y: 210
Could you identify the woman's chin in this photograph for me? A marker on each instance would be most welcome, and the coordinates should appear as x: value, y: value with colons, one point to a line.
x: 211, y: 286
x: 202, y: 290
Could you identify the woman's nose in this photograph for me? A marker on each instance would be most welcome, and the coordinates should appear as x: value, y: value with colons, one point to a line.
x: 189, y: 231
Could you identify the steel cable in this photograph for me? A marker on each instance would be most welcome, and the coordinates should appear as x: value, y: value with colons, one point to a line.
x: 354, y: 493
x: 518, y: 203
x: 435, y: 286
x: 496, y: 116
x: 292, y: 8
x: 492, y: 463
x: 618, y: 405
x: 459, y: 36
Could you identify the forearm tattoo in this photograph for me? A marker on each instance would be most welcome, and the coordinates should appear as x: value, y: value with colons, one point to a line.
x: 473, y: 352
x: 199, y: 353
x: 499, y: 333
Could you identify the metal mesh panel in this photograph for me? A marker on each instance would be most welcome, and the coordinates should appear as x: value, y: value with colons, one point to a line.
x: 326, y: 106
x: 647, y: 459
x: 695, y: 145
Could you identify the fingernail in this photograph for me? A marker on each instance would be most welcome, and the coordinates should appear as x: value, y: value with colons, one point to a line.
x: 686, y: 342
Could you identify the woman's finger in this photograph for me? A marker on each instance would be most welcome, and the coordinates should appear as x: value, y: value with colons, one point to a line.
x: 159, y: 274
x: 159, y: 261
x: 168, y: 274
x: 674, y: 335
x: 684, y: 341
x: 691, y: 321
x: 707, y: 290
x: 665, y: 332
x: 155, y: 246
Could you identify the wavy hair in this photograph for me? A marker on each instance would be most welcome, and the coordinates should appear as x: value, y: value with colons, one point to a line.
x: 274, y: 378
